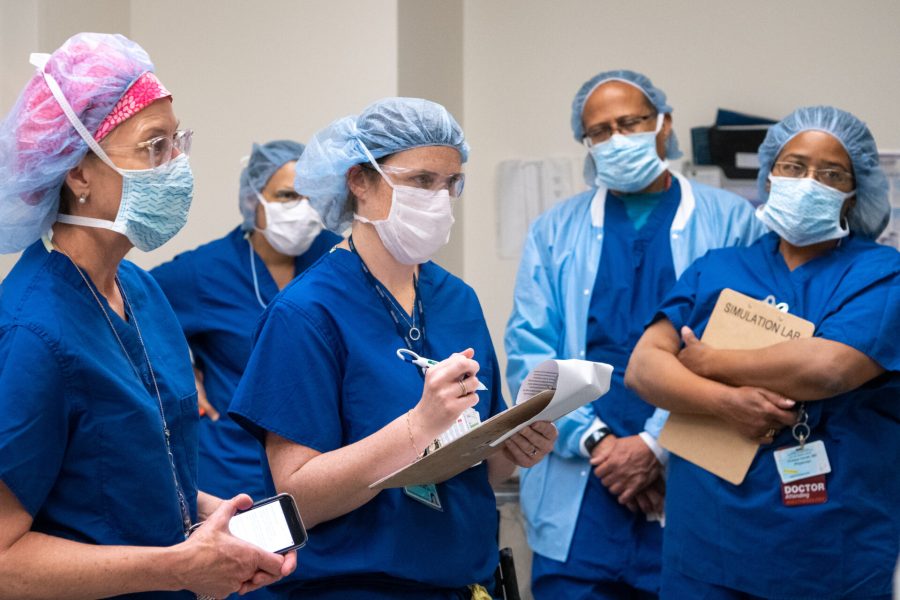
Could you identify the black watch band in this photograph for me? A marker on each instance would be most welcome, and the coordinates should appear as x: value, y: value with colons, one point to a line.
x: 595, y: 438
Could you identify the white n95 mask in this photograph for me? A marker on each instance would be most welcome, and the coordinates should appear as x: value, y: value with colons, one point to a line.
x: 418, y: 225
x: 290, y: 228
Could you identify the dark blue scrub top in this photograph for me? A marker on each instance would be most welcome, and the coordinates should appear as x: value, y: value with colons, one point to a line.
x: 211, y: 290
x: 81, y: 439
x: 743, y: 537
x: 636, y: 271
x: 324, y: 374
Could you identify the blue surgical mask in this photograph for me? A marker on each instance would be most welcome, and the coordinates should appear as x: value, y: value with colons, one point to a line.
x: 628, y: 163
x: 803, y: 211
x: 154, y: 205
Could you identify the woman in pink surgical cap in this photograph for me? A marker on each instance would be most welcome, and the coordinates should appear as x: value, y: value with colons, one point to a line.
x: 98, y: 417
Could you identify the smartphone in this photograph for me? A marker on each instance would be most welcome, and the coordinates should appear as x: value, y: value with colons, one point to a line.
x: 273, y: 524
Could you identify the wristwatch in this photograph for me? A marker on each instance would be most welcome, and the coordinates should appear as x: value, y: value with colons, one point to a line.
x: 595, y: 438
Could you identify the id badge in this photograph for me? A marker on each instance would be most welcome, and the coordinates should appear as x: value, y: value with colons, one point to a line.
x: 802, y: 462
x: 426, y: 494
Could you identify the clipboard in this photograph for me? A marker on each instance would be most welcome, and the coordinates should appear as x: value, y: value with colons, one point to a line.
x: 553, y: 389
x: 738, y: 322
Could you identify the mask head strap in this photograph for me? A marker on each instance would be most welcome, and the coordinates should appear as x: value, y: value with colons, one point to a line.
x: 375, y: 164
x: 39, y: 60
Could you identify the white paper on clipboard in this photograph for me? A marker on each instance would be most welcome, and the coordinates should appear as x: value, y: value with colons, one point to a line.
x: 574, y: 384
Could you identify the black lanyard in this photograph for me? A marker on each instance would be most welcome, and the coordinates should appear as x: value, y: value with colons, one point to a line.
x: 412, y: 334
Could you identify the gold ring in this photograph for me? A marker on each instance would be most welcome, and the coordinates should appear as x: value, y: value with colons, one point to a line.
x: 771, y: 433
x: 462, y: 386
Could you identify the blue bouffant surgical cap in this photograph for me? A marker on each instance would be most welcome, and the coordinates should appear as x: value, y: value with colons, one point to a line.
x: 656, y: 96
x: 39, y: 145
x: 386, y: 127
x: 264, y: 160
x: 871, y: 213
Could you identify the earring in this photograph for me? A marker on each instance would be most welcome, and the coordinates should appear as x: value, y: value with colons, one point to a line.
x: 82, y: 199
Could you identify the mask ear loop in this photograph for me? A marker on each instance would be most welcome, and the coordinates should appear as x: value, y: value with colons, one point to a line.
x: 660, y: 119
x: 39, y: 60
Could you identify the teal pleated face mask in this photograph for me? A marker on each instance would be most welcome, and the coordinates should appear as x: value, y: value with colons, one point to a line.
x: 803, y: 211
x: 629, y: 163
x: 155, y: 202
x: 154, y: 205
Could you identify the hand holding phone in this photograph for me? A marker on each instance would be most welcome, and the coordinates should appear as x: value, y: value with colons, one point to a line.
x: 273, y: 524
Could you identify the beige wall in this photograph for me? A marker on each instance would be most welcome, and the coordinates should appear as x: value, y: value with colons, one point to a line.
x: 524, y: 61
x: 251, y: 71
x: 240, y: 72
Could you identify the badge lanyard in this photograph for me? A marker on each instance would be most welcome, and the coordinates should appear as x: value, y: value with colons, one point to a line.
x: 179, y: 492
x: 802, y: 468
x: 412, y: 333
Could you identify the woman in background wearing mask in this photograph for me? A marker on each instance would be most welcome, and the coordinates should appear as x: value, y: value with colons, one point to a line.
x: 220, y: 289
x: 343, y: 410
x: 97, y: 401
x: 834, y: 533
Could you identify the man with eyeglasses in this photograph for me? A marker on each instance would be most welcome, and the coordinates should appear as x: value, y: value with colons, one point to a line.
x: 594, y: 268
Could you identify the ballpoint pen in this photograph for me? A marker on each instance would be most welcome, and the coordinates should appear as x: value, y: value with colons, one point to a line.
x: 409, y: 356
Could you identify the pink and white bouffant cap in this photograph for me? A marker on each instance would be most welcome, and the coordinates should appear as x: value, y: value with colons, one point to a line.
x: 105, y: 79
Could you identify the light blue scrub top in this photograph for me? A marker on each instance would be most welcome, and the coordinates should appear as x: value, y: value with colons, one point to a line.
x: 211, y: 290
x: 743, y: 537
x: 81, y: 438
x: 324, y: 374
x: 550, y: 316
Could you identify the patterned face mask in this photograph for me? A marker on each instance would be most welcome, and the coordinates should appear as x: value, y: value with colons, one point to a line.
x: 155, y: 202
x: 154, y: 205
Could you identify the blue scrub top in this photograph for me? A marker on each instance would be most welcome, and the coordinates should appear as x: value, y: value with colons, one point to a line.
x: 81, y: 439
x: 211, y: 290
x: 635, y: 273
x: 636, y: 270
x: 324, y: 374
x: 743, y: 537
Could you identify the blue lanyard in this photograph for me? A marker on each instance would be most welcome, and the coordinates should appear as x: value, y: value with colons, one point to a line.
x: 412, y: 334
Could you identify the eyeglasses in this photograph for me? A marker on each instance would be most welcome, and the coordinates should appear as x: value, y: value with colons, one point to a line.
x: 423, y: 179
x: 158, y: 151
x: 831, y: 177
x: 601, y: 132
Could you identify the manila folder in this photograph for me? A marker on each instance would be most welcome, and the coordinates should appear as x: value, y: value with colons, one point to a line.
x: 737, y: 322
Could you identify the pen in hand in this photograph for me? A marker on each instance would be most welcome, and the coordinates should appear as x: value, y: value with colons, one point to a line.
x: 409, y: 356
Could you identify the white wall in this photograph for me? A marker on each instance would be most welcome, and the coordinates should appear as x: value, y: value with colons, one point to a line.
x: 524, y: 61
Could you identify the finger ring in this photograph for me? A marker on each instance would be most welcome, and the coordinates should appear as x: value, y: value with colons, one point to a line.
x: 463, y: 388
x: 771, y: 433
x: 533, y: 450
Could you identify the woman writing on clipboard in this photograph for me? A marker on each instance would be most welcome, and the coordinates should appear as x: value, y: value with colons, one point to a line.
x: 337, y: 410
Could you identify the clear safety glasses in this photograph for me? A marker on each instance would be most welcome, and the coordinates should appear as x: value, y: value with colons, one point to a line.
x: 423, y: 179
x: 832, y: 177
x: 159, y: 150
